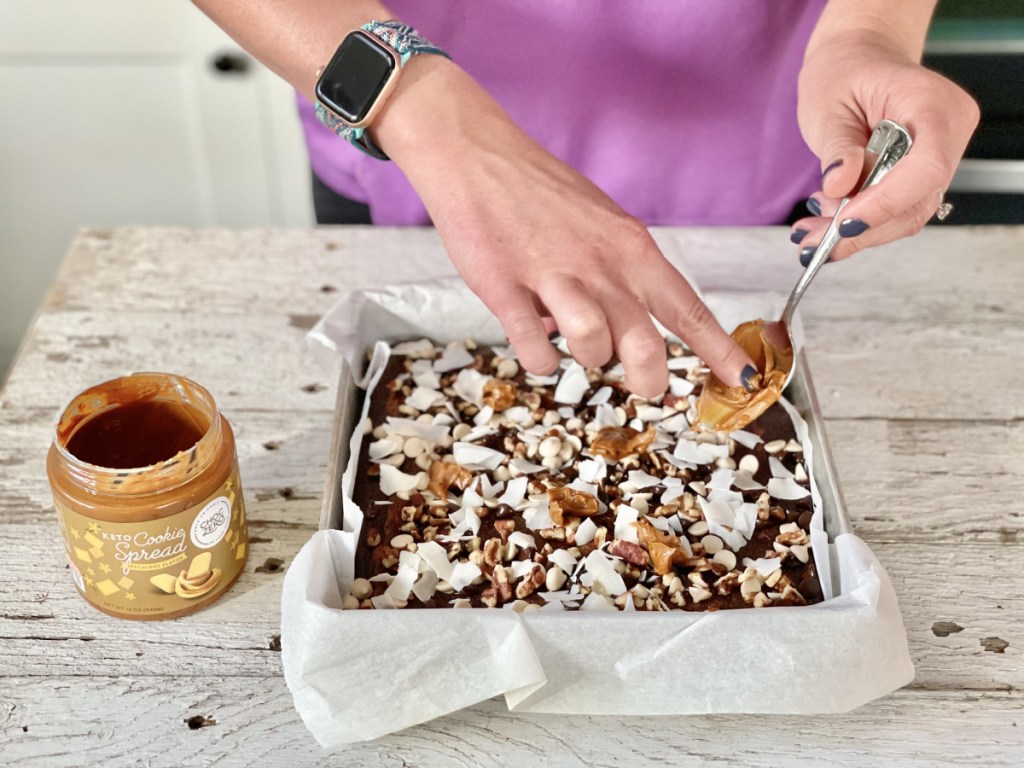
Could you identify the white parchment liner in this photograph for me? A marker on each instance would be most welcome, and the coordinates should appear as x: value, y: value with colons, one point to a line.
x: 358, y: 675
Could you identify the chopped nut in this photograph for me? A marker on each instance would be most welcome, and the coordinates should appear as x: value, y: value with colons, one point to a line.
x: 504, y: 528
x: 761, y: 600
x: 401, y: 541
x: 791, y: 538
x: 630, y: 552
x: 699, y: 594
x: 500, y: 395
x: 372, y: 537
x: 801, y: 552
x: 534, y: 579
x: 492, y: 552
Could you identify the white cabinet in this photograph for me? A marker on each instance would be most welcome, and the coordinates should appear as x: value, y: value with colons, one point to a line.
x: 119, y: 112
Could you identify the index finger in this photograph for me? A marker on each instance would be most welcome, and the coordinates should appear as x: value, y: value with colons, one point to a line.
x: 676, y: 305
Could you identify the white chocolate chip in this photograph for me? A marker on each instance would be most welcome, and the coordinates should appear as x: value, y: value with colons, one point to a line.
x: 726, y: 558
x: 461, y: 430
x: 349, y: 603
x: 749, y: 464
x: 362, y: 588
x: 550, y: 446
x: 507, y: 368
x: 414, y: 446
x: 712, y: 544
x: 401, y: 541
x: 555, y: 579
x: 794, y: 447
x: 775, y: 446
x: 700, y: 528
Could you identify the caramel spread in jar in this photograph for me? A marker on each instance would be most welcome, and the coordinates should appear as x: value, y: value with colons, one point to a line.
x: 722, y: 408
x: 145, y: 482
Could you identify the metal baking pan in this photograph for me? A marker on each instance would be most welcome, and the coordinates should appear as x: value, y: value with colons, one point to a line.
x: 800, y: 393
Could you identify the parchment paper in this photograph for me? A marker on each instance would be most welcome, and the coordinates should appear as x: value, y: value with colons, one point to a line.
x: 358, y: 675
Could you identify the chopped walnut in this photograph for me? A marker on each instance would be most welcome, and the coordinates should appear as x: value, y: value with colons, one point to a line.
x: 500, y: 395
x: 630, y: 552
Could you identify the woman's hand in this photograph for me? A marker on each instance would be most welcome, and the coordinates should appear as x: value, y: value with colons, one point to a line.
x: 542, y: 246
x: 850, y: 81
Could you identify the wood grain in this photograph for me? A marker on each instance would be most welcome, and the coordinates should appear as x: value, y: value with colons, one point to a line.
x: 915, y: 352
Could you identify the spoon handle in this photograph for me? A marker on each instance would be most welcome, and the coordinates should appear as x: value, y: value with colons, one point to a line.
x: 889, y: 142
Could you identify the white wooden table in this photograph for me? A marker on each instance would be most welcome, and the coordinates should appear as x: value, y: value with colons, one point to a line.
x: 918, y: 356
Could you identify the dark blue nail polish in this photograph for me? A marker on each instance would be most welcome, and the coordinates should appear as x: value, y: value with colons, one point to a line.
x: 814, y: 206
x: 831, y: 168
x: 746, y: 378
x: 797, y: 235
x: 852, y: 227
x: 807, y: 254
x: 554, y: 336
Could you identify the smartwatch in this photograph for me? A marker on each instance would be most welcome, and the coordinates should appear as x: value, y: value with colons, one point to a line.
x: 355, y: 85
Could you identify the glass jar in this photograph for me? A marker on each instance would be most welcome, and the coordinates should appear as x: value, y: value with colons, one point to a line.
x: 145, y: 481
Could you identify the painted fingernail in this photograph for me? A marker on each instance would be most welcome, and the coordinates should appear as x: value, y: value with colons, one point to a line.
x: 797, y: 235
x: 814, y: 206
x: 829, y: 170
x: 554, y: 336
x: 807, y: 254
x: 852, y: 227
x: 746, y: 378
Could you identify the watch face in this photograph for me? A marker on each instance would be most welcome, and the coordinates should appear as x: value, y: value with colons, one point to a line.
x: 357, y: 74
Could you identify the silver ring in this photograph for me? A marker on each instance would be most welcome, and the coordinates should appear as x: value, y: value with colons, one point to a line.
x: 944, y: 209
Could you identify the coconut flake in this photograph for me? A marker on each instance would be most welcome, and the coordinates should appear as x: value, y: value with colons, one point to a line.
x: 602, y: 396
x: 522, y: 540
x: 436, y: 556
x: 427, y: 379
x: 383, y: 448
x: 424, y: 586
x: 765, y: 566
x: 641, y: 479
x: 744, y: 481
x: 413, y: 348
x: 585, y: 532
x: 432, y: 433
x: 785, y: 488
x: 423, y: 399
x: 679, y: 386
x: 393, y: 480
x: 599, y: 566
x: 572, y: 385
x: 521, y: 568
x: 625, y: 524
x: 593, y: 470
x: 483, y: 417
x: 524, y: 467
x: 537, y: 517
x: 383, y: 602
x: 688, y: 450
x: 672, y: 493
x: 463, y: 574
x: 515, y: 492
x: 454, y: 356
x: 469, y: 385
x: 477, y: 456
x: 517, y: 414
x: 745, y: 520
x: 747, y: 439
x: 778, y: 468
x: 402, y: 585
x: 478, y: 433
x: 717, y: 512
x: 721, y: 479
x: 596, y: 602
x: 563, y: 560
x: 461, y: 602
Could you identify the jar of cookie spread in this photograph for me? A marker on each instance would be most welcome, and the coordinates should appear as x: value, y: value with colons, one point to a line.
x: 145, y: 481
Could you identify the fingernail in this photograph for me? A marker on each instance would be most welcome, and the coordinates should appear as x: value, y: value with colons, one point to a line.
x: 814, y: 206
x: 807, y: 254
x: 831, y: 168
x: 797, y: 235
x: 746, y: 378
x: 554, y: 336
x: 852, y: 227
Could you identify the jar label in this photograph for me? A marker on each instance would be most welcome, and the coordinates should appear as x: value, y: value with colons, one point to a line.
x: 147, y: 569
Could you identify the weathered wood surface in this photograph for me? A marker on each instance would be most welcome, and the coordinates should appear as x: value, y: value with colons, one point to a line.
x: 932, y: 479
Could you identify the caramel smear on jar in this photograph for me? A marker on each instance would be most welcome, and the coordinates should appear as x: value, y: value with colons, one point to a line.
x: 569, y: 501
x: 443, y: 475
x: 500, y: 395
x: 722, y: 408
x: 616, y: 443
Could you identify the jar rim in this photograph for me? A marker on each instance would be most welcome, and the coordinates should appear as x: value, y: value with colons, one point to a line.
x: 116, y: 392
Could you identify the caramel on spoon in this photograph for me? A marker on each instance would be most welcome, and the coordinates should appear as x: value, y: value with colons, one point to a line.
x: 770, y: 344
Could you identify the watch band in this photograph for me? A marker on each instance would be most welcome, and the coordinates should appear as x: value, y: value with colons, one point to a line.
x: 406, y: 42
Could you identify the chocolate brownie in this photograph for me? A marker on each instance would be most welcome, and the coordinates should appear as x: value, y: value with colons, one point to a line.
x: 485, y: 486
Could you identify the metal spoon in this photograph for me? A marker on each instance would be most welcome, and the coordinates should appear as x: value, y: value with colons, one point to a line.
x: 889, y: 142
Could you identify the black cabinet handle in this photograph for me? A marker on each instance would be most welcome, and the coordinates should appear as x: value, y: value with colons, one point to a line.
x: 230, y: 63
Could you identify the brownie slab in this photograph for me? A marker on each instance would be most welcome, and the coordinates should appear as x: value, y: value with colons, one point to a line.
x: 484, y: 486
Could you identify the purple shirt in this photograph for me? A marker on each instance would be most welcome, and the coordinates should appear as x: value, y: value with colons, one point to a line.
x: 682, y: 111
